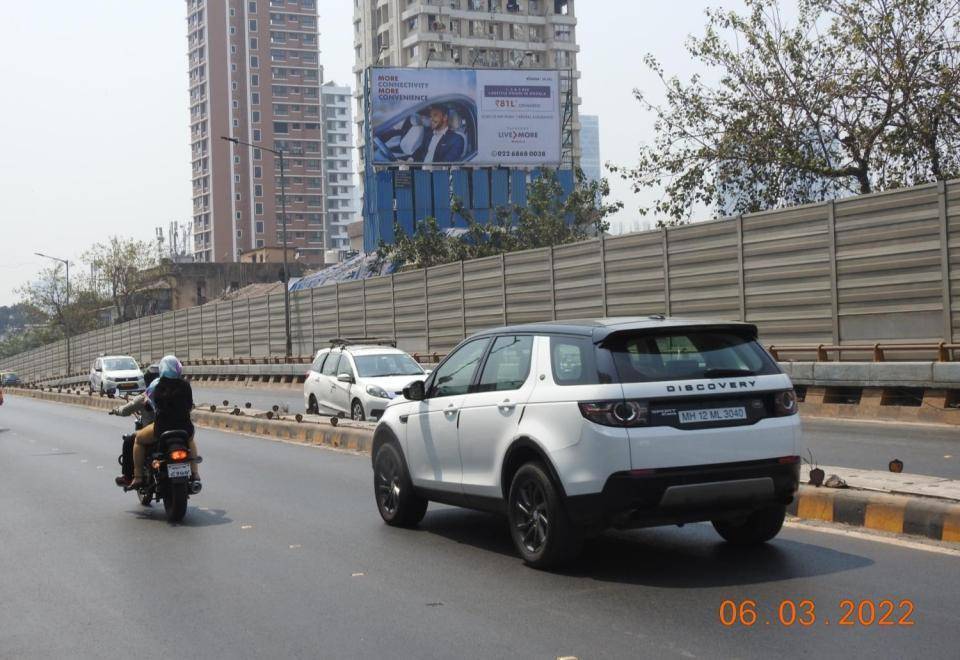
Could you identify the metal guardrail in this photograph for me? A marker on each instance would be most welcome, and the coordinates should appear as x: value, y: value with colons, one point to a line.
x: 943, y: 351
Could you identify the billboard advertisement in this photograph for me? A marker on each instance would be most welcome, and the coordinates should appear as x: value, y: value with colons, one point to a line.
x: 482, y: 117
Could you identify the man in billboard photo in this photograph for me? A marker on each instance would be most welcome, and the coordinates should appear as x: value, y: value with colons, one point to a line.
x: 442, y: 145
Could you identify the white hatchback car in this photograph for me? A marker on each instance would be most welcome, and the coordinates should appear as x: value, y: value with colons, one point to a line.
x: 115, y: 374
x: 572, y: 427
x: 358, y: 381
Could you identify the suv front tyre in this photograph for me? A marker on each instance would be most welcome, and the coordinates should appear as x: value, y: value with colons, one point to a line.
x: 758, y: 527
x: 397, y: 502
x: 539, y: 526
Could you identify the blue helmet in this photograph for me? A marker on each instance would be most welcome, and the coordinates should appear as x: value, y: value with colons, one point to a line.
x: 170, y: 367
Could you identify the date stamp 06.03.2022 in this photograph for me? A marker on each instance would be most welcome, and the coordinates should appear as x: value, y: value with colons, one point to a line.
x: 806, y: 613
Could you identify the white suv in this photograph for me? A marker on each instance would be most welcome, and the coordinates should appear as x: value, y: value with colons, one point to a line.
x: 572, y: 427
x: 115, y: 374
x: 358, y: 381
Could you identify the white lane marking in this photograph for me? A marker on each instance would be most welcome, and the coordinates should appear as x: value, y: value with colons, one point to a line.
x: 357, y: 574
x: 851, y: 533
x: 295, y: 546
x: 246, y: 526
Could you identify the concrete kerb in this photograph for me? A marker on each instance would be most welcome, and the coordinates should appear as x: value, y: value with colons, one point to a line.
x: 901, y: 514
x: 348, y: 435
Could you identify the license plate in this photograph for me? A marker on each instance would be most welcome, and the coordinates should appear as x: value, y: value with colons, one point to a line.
x: 712, y: 415
x: 128, y: 386
x: 177, y: 470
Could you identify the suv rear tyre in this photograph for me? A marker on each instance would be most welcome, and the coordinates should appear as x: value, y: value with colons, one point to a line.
x: 398, y: 504
x: 539, y: 526
x: 759, y: 527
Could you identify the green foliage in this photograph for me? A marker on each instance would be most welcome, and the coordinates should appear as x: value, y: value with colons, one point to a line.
x: 542, y: 222
x: 857, y: 96
x: 119, y: 264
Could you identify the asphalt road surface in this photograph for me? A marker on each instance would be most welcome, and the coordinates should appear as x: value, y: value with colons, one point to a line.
x: 284, y: 556
x: 924, y: 449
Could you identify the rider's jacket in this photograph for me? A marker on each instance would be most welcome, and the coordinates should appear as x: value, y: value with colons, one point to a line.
x: 139, y: 404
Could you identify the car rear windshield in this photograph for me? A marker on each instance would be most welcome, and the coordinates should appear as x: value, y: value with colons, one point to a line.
x: 386, y: 364
x: 120, y: 364
x: 686, y: 354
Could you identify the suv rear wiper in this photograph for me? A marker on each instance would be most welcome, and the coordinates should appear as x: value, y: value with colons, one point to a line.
x: 721, y: 373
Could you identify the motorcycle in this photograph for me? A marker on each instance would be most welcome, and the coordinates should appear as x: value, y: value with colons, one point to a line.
x: 167, y: 474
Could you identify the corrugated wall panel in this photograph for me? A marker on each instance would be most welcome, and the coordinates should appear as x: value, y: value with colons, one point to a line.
x: 704, y: 271
x: 350, y: 304
x: 888, y: 266
x: 194, y: 335
x: 410, y: 305
x: 953, y: 248
x: 483, y: 294
x: 445, y: 302
x: 379, y: 308
x: 529, y: 294
x: 259, y: 327
x: 576, y: 280
x: 786, y: 261
x: 301, y: 322
x: 325, y: 315
x: 634, y: 274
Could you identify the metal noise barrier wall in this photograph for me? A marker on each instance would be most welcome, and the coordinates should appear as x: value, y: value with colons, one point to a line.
x: 880, y: 267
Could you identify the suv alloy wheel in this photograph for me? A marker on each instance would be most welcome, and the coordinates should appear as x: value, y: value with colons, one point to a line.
x: 398, y: 504
x: 539, y: 526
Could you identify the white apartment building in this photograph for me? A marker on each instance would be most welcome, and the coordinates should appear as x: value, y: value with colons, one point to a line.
x: 340, y: 188
x: 538, y: 34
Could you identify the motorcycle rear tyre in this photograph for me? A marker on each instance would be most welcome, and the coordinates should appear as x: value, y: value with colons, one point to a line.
x: 175, y: 502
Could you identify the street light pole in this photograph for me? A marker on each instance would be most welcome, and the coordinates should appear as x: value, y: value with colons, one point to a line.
x: 283, y: 222
x: 66, y: 326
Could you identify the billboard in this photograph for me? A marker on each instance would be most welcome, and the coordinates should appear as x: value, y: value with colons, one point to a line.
x: 482, y: 117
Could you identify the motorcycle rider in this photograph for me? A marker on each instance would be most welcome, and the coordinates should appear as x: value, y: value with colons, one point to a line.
x: 172, y: 401
x: 139, y: 404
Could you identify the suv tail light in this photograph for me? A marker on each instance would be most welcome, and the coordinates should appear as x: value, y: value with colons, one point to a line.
x: 616, y: 413
x: 785, y: 403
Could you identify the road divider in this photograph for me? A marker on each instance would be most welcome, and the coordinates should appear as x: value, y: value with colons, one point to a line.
x: 345, y: 434
x: 929, y: 517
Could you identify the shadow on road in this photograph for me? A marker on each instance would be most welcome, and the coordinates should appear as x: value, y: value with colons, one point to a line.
x: 195, y: 517
x: 691, y: 557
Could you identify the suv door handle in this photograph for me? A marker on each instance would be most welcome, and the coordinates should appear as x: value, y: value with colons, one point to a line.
x: 449, y: 409
x: 507, y: 404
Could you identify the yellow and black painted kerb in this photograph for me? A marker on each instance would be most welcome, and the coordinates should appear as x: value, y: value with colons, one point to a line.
x: 900, y: 514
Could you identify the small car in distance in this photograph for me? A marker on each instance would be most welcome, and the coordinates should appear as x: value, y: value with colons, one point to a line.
x: 573, y: 427
x: 115, y: 374
x: 9, y: 379
x: 358, y: 380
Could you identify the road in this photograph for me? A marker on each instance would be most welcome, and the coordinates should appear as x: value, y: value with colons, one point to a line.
x: 930, y: 450
x: 284, y: 556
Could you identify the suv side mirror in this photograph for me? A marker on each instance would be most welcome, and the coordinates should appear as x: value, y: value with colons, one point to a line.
x: 346, y: 378
x: 414, y: 391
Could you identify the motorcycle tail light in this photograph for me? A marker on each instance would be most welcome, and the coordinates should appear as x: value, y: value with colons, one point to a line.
x: 616, y: 413
x: 179, y: 455
x: 785, y: 403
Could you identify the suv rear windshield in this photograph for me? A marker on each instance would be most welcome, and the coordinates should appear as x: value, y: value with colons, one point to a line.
x: 686, y: 354
x: 386, y: 364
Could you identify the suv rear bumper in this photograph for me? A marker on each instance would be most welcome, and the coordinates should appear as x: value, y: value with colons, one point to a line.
x: 687, y: 494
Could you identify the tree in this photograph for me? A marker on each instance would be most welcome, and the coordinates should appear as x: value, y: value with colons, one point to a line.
x: 857, y: 96
x: 47, y: 297
x: 549, y: 218
x: 119, y: 264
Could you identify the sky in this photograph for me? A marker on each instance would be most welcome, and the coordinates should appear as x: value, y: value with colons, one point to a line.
x: 97, y: 140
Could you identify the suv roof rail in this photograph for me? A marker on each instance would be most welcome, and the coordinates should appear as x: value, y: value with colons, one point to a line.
x: 344, y: 341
